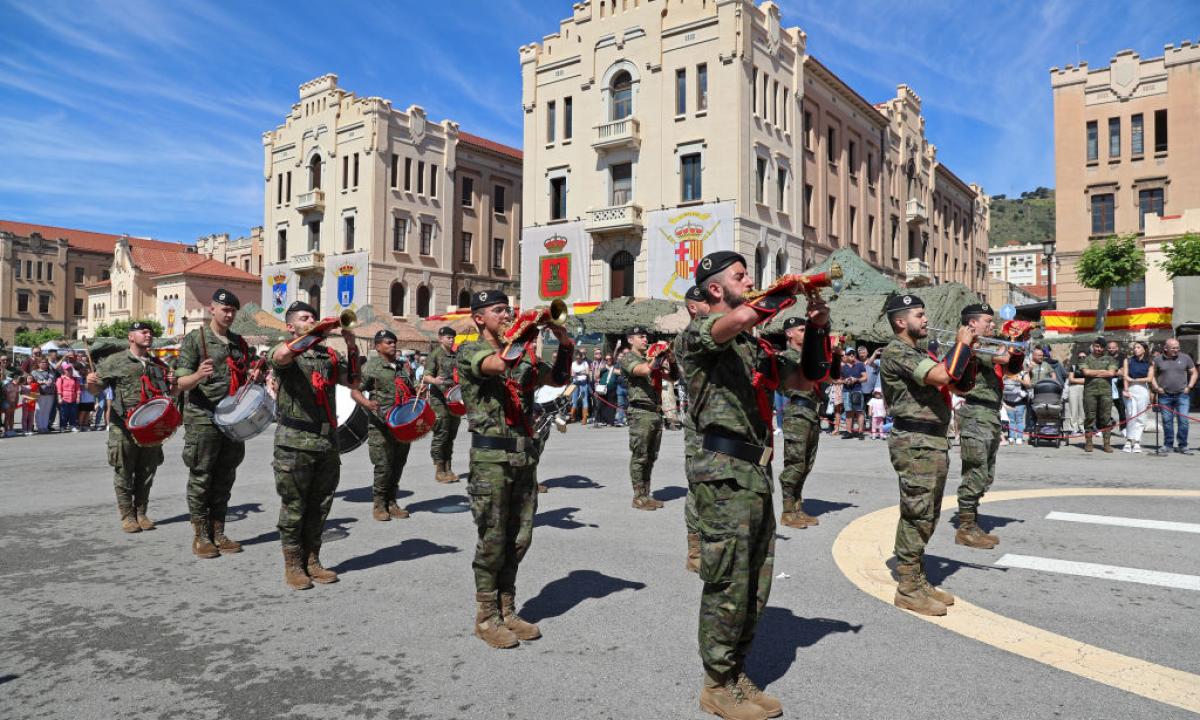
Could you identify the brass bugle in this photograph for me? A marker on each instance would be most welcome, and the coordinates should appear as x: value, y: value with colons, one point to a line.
x: 987, y: 345
x: 348, y: 319
x: 556, y: 314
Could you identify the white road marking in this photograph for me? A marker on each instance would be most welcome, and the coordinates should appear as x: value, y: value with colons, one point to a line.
x: 1104, y: 572
x: 1125, y: 522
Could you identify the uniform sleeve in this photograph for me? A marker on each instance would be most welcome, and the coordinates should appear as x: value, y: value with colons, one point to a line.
x: 367, y: 382
x: 699, y: 337
x: 912, y: 365
x: 189, y: 355
x: 107, y: 370
x: 470, y: 359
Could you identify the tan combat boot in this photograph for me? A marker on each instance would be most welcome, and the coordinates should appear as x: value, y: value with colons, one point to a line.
x: 910, y: 595
x: 693, y: 555
x: 726, y: 700
x: 970, y: 535
x: 146, y: 523
x: 129, y: 521
x: 394, y: 510
x: 293, y: 569
x: 523, y: 629
x: 769, y: 703
x: 202, y: 546
x: 379, y: 509
x: 542, y: 488
x: 990, y: 536
x: 643, y: 502
x: 224, y: 544
x: 451, y: 476
x: 1087, y: 442
x: 1107, y: 443
x: 788, y: 516
x: 318, y: 572
x: 489, y: 626
x: 936, y: 593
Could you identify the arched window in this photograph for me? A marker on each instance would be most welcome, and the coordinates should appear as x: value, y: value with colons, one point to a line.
x: 397, y: 299
x: 464, y: 298
x: 314, y: 297
x: 621, y: 277
x: 314, y: 173
x: 622, y: 96
x: 760, y: 266
x: 781, y: 263
x: 423, y: 301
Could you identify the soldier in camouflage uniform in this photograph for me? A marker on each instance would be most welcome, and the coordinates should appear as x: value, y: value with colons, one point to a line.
x: 915, y: 386
x: 645, y: 415
x: 385, y: 381
x: 134, y: 376
x: 731, y: 477
x: 498, y: 392
x: 439, y: 375
x: 213, y: 363
x: 307, y: 462
x: 979, y: 430
x: 697, y: 306
x: 1098, y: 370
x: 801, y: 428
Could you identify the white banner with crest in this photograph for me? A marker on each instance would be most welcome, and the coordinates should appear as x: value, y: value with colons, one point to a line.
x: 171, y: 316
x: 678, y: 239
x: 278, y: 289
x: 555, y: 262
x: 345, y: 283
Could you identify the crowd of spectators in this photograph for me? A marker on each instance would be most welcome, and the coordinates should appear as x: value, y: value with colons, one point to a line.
x: 48, y: 391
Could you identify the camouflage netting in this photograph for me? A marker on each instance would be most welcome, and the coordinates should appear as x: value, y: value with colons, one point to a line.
x: 857, y: 274
x: 253, y: 321
x: 614, y: 317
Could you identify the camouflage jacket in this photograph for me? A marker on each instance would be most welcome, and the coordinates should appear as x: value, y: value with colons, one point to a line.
x: 983, y: 399
x: 297, y: 399
x: 902, y: 371
x: 378, y: 381
x: 724, y: 402
x: 203, y: 399
x: 644, y: 393
x: 677, y: 346
x: 440, y: 364
x: 789, y: 362
x: 487, y: 397
x: 123, y: 372
x: 1095, y: 385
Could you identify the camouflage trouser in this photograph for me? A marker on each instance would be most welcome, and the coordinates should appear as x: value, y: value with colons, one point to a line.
x: 922, y: 462
x: 445, y: 429
x: 801, y: 433
x: 1097, y: 409
x: 503, y: 502
x: 737, y: 557
x: 980, y: 439
x: 645, y: 437
x: 690, y: 445
x: 305, y: 481
x: 388, y: 458
x: 212, y: 461
x: 133, y: 467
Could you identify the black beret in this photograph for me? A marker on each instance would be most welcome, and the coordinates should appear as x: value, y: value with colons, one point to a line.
x: 695, y: 294
x: 301, y: 306
x: 487, y: 298
x: 635, y: 330
x: 714, y: 263
x: 794, y: 321
x: 137, y: 325
x: 976, y: 309
x: 225, y: 297
x: 906, y: 301
x: 1100, y: 341
x: 384, y: 335
x: 446, y: 331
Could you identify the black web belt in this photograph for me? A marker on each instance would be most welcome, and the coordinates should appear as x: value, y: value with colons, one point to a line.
x: 919, y: 426
x: 517, y: 444
x: 739, y: 449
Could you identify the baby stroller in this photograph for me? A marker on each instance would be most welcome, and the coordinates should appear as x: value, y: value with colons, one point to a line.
x: 1047, y: 412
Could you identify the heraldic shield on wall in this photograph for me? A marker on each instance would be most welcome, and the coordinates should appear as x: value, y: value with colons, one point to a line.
x: 554, y: 264
x: 678, y: 238
x: 278, y: 289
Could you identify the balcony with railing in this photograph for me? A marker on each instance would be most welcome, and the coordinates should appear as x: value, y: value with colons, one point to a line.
x: 917, y: 268
x: 617, y: 134
x: 915, y: 212
x: 311, y: 201
x: 616, y: 218
x: 307, y: 262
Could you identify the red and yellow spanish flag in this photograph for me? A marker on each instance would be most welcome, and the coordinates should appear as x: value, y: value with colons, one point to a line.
x: 1084, y: 321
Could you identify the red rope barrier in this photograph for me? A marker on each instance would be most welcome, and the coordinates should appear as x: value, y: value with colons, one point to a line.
x: 1117, y: 424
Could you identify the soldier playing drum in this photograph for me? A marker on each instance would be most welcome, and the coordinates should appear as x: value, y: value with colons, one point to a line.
x: 385, y: 381
x: 439, y: 375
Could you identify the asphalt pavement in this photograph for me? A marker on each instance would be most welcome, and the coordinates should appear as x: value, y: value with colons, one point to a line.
x: 99, y: 624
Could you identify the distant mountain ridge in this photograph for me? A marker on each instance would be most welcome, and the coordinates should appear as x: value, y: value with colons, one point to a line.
x: 1028, y: 219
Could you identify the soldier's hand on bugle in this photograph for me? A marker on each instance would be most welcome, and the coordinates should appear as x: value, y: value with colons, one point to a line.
x: 817, y: 311
x: 966, y: 335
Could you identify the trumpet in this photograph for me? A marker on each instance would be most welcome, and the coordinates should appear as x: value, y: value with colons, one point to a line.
x: 810, y: 285
x: 346, y: 320
x: 525, y: 326
x: 987, y: 345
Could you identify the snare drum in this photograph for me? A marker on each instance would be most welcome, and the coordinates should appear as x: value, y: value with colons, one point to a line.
x: 352, y: 421
x: 246, y: 413
x: 454, y: 401
x: 410, y: 420
x: 152, y: 422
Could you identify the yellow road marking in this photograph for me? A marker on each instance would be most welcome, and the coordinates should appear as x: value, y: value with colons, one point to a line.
x: 862, y: 548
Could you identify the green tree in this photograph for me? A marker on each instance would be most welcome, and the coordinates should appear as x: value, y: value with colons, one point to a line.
x: 1109, y: 263
x: 31, y: 338
x: 1183, y: 256
x: 120, y: 328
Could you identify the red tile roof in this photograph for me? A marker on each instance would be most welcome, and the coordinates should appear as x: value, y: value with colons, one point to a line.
x: 482, y: 142
x: 84, y: 240
x: 213, y: 269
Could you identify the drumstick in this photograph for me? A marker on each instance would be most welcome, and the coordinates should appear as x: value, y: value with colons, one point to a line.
x: 203, y: 343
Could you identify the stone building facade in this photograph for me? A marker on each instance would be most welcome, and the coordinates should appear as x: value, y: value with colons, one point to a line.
x: 244, y: 253
x: 366, y: 204
x: 1125, y: 151
x: 656, y: 132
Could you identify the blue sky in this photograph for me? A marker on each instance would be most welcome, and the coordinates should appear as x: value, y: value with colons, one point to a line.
x: 146, y: 117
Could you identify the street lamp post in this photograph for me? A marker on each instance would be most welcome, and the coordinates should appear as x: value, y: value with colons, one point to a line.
x: 1048, y: 252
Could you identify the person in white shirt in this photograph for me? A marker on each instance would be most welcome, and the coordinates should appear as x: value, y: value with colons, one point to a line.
x: 581, y: 373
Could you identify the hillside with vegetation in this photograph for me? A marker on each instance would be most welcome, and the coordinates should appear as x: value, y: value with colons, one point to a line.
x: 1027, y: 219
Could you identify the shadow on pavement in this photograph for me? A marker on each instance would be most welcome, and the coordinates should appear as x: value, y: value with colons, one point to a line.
x: 780, y: 634
x: 572, y: 482
x: 335, y: 529
x: 233, y: 514
x: 560, y: 596
x: 561, y: 518
x: 988, y: 522
x: 817, y: 508
x: 8, y: 678
x: 669, y: 493
x: 364, y: 494
x: 937, y: 569
x: 437, y: 504
x: 412, y: 549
